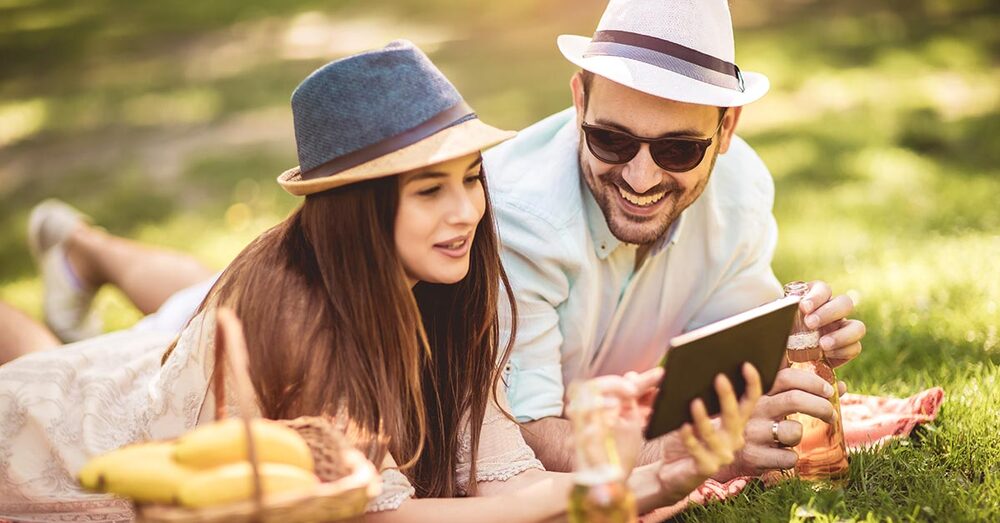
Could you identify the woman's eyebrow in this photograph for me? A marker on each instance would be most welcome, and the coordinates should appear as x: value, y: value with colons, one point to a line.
x: 437, y: 174
x: 475, y: 163
x: 425, y: 176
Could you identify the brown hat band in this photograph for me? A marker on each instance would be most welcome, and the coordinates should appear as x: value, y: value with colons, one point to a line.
x: 666, y: 55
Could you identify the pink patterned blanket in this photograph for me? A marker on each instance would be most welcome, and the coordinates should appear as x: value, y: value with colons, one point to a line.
x: 869, y: 421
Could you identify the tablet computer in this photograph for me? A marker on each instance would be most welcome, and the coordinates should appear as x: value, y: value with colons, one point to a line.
x: 694, y: 359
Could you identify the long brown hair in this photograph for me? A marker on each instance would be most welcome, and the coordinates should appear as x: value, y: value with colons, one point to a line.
x: 332, y: 326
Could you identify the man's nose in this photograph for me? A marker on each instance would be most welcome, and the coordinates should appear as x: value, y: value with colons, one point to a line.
x: 641, y: 173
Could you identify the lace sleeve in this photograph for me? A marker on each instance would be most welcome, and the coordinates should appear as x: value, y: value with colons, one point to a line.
x: 395, y: 488
x: 503, y: 453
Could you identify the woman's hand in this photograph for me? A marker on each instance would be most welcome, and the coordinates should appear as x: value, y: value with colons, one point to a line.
x: 632, y: 395
x: 698, y: 450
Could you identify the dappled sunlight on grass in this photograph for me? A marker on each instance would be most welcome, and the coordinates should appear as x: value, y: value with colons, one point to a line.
x: 115, y: 309
x: 24, y: 293
x: 180, y: 107
x: 887, y: 171
x: 29, y: 21
x: 922, y: 298
x: 316, y: 36
x: 20, y: 120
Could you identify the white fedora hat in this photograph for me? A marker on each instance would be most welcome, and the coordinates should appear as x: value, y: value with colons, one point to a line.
x: 676, y: 49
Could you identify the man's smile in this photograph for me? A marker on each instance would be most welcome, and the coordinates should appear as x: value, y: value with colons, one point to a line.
x: 641, y: 200
x: 644, y: 205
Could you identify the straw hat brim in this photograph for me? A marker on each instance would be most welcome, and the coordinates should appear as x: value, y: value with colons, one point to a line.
x: 454, y: 142
x: 661, y: 82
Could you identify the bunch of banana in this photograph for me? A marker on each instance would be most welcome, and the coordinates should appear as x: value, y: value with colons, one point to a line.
x: 207, y: 466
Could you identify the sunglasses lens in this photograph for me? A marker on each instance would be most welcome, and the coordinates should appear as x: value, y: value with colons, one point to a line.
x: 611, y: 147
x: 677, y: 155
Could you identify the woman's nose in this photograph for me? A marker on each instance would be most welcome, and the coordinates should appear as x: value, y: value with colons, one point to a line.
x: 463, y: 209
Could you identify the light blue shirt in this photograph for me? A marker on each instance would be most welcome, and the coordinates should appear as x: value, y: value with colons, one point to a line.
x: 582, y: 309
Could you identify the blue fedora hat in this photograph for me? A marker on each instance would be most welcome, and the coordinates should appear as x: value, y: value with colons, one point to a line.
x: 376, y: 114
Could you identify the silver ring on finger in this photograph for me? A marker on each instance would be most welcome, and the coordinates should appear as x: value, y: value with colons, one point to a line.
x: 774, y: 434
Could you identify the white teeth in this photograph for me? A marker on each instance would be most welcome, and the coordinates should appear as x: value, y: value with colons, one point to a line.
x: 642, y: 201
x: 454, y: 245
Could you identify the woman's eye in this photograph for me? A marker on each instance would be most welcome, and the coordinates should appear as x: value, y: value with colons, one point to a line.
x: 429, y: 191
x: 474, y: 178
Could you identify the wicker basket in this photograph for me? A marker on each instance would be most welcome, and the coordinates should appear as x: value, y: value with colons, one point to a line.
x: 343, y: 499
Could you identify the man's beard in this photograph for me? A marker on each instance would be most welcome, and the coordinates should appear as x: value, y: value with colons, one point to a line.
x: 644, y: 230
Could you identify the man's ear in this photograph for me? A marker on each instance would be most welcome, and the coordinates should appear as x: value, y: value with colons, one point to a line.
x: 728, y: 128
x: 576, y: 87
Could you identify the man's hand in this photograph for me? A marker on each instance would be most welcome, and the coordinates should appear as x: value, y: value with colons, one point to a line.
x: 794, y: 390
x: 840, y: 336
x: 708, y: 446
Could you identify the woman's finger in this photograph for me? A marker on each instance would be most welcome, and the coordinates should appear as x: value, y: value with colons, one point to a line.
x: 645, y: 381
x: 615, y: 386
x: 732, y: 416
x: 707, y: 432
x: 752, y: 392
x: 704, y: 460
x: 646, y: 400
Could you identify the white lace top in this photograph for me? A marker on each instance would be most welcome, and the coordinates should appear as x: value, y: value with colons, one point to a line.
x: 61, y: 407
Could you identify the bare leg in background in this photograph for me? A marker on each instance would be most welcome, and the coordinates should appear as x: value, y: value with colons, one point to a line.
x: 21, y: 334
x: 146, y: 275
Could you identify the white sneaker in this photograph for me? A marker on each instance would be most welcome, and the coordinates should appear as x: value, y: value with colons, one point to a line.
x: 67, y: 304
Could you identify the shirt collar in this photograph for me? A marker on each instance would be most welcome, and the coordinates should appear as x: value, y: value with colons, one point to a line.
x: 605, y: 242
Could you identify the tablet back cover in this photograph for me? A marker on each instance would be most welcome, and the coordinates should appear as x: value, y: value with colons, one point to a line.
x: 758, y: 336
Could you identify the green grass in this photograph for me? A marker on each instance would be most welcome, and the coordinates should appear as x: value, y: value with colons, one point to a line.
x: 168, y: 121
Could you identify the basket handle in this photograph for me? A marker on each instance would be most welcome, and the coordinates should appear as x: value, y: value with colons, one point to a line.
x: 231, y: 348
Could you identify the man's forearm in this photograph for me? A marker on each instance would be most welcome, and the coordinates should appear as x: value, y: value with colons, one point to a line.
x: 552, y: 440
x: 651, y: 452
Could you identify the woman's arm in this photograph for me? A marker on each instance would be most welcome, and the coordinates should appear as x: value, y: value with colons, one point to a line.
x: 538, y: 496
x: 531, y: 496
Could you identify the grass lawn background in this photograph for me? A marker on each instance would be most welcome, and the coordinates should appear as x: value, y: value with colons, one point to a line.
x: 168, y: 121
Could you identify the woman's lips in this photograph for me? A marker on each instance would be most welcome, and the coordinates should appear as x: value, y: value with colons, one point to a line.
x: 456, y: 247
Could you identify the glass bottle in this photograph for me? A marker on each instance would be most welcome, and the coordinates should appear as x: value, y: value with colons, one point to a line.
x: 822, y: 451
x: 600, y: 493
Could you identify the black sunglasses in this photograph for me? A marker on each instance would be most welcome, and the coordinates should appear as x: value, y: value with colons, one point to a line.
x: 674, y: 154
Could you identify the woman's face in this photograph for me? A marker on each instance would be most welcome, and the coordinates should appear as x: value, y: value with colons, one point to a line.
x: 439, y: 209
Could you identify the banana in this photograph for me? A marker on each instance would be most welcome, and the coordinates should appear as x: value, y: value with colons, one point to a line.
x: 224, y: 442
x: 234, y: 482
x: 145, y: 472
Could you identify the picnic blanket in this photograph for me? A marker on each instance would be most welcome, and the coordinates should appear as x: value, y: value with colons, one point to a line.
x: 869, y: 422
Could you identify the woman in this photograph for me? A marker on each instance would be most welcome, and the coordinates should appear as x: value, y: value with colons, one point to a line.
x: 375, y: 300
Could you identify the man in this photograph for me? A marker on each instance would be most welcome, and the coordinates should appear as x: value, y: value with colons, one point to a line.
x: 636, y: 215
